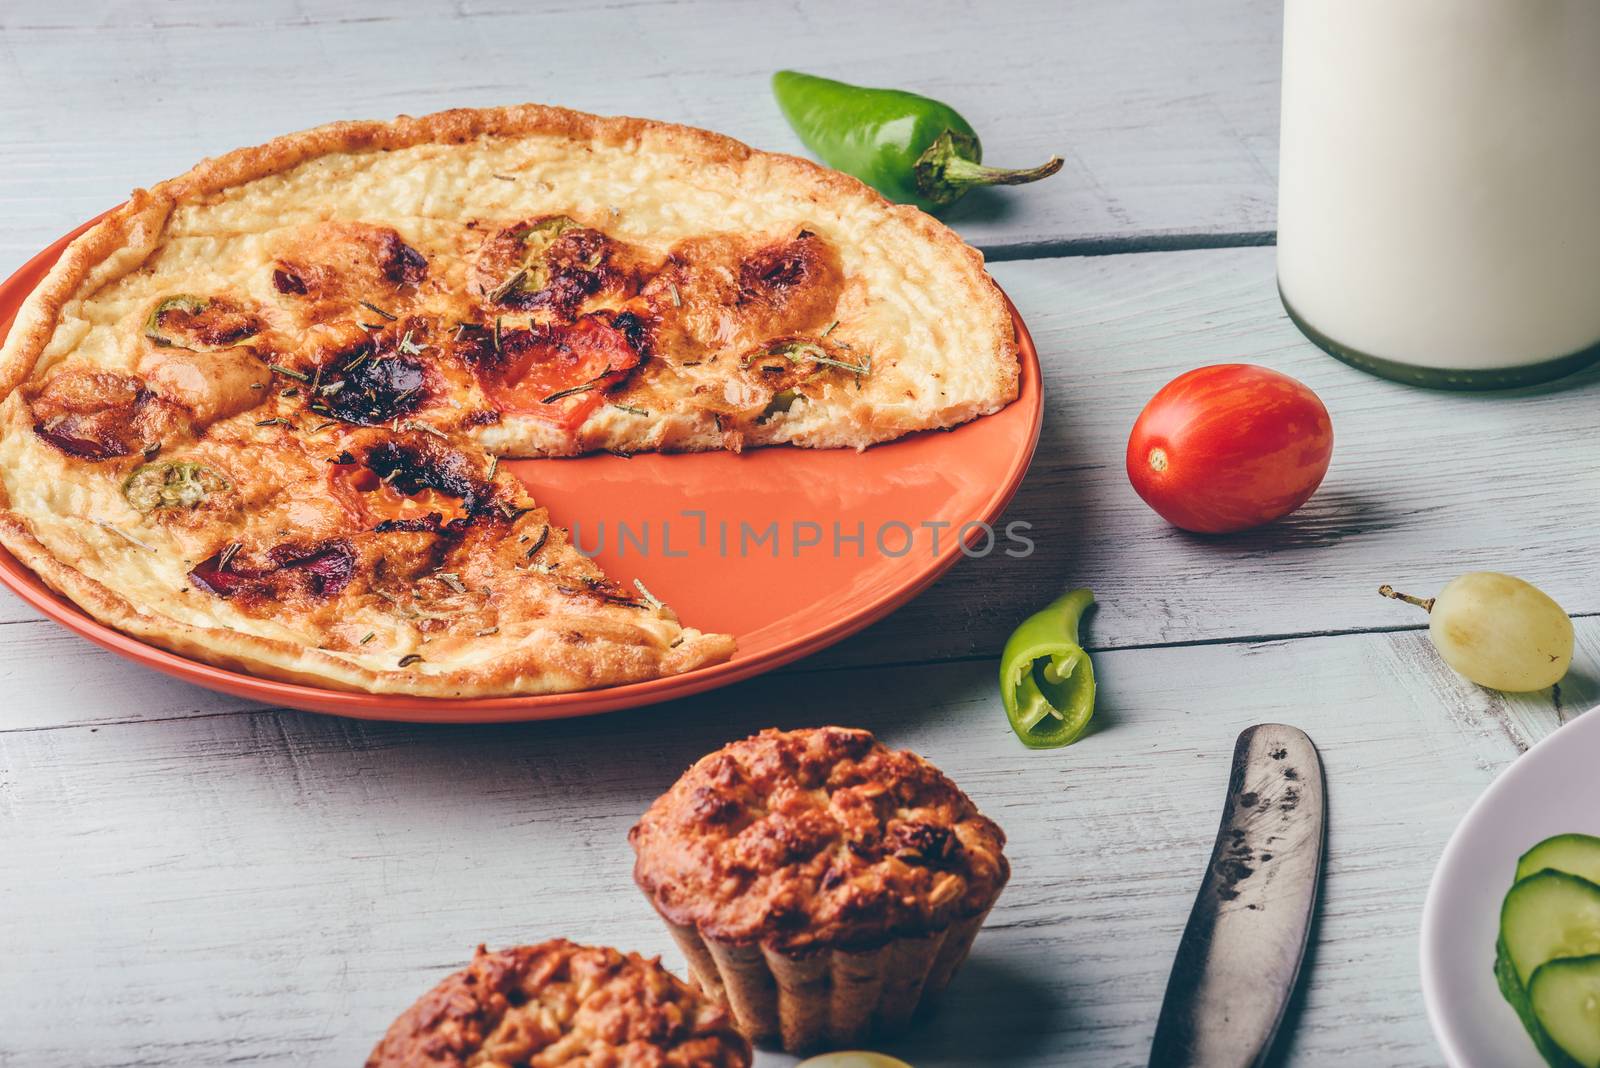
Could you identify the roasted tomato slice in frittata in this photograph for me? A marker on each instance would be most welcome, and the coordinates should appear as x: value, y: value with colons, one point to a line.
x: 318, y: 572
x: 561, y: 373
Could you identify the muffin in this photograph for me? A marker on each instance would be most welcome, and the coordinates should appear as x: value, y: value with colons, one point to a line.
x: 560, y: 1003
x: 822, y: 884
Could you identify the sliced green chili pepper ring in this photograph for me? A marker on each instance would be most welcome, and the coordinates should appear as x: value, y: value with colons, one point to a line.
x: 1046, y: 678
x: 780, y: 403
x: 183, y: 302
x: 534, y: 274
x: 171, y: 484
x: 199, y: 324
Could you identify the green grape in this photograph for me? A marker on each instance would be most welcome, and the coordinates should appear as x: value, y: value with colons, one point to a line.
x: 853, y: 1059
x: 1498, y: 631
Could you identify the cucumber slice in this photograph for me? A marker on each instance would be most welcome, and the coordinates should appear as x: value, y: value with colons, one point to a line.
x: 1565, y: 995
x: 1576, y: 854
x: 1511, y: 989
x: 1550, y: 915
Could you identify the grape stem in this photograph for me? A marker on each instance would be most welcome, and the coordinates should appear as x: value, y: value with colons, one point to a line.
x: 1424, y: 603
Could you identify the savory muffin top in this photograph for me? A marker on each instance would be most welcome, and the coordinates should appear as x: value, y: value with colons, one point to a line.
x: 562, y: 1004
x: 816, y: 838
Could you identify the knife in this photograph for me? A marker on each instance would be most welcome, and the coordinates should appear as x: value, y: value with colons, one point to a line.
x: 1240, y: 953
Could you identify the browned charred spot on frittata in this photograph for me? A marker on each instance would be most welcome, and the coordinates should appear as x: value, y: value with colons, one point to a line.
x: 579, y: 266
x: 549, y: 263
x: 790, y: 286
x: 375, y: 378
x: 376, y: 390
x: 476, y: 344
x: 287, y: 279
x: 770, y: 274
x: 326, y: 270
x: 294, y: 279
x: 401, y: 264
x: 638, y: 330
x: 102, y: 415
x: 724, y: 291
x: 428, y: 523
x: 414, y: 482
x: 418, y: 462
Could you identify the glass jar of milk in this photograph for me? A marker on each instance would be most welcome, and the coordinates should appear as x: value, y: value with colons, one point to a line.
x: 1439, y: 186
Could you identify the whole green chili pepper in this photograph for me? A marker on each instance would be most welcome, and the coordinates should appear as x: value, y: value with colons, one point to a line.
x: 909, y: 148
x: 1046, y: 679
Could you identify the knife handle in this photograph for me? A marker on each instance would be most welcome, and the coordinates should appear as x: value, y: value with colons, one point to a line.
x: 1240, y: 954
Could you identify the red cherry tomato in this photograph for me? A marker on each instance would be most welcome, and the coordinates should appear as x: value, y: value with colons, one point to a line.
x: 1229, y: 447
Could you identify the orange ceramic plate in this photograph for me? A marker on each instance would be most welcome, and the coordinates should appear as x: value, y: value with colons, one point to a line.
x: 789, y: 550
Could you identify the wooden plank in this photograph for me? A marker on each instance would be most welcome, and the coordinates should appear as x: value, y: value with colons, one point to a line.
x: 1424, y: 486
x: 52, y: 677
x: 1167, y: 114
x: 275, y: 886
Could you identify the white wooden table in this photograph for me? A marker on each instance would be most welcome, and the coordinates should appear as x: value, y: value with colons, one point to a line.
x: 188, y: 879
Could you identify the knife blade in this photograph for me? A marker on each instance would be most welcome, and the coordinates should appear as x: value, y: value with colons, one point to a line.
x: 1240, y: 954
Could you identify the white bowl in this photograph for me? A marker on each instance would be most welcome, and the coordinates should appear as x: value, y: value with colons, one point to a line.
x: 1551, y: 789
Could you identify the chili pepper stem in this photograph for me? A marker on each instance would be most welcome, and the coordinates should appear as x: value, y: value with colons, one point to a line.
x: 950, y: 167
x: 966, y: 172
x: 1424, y: 603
